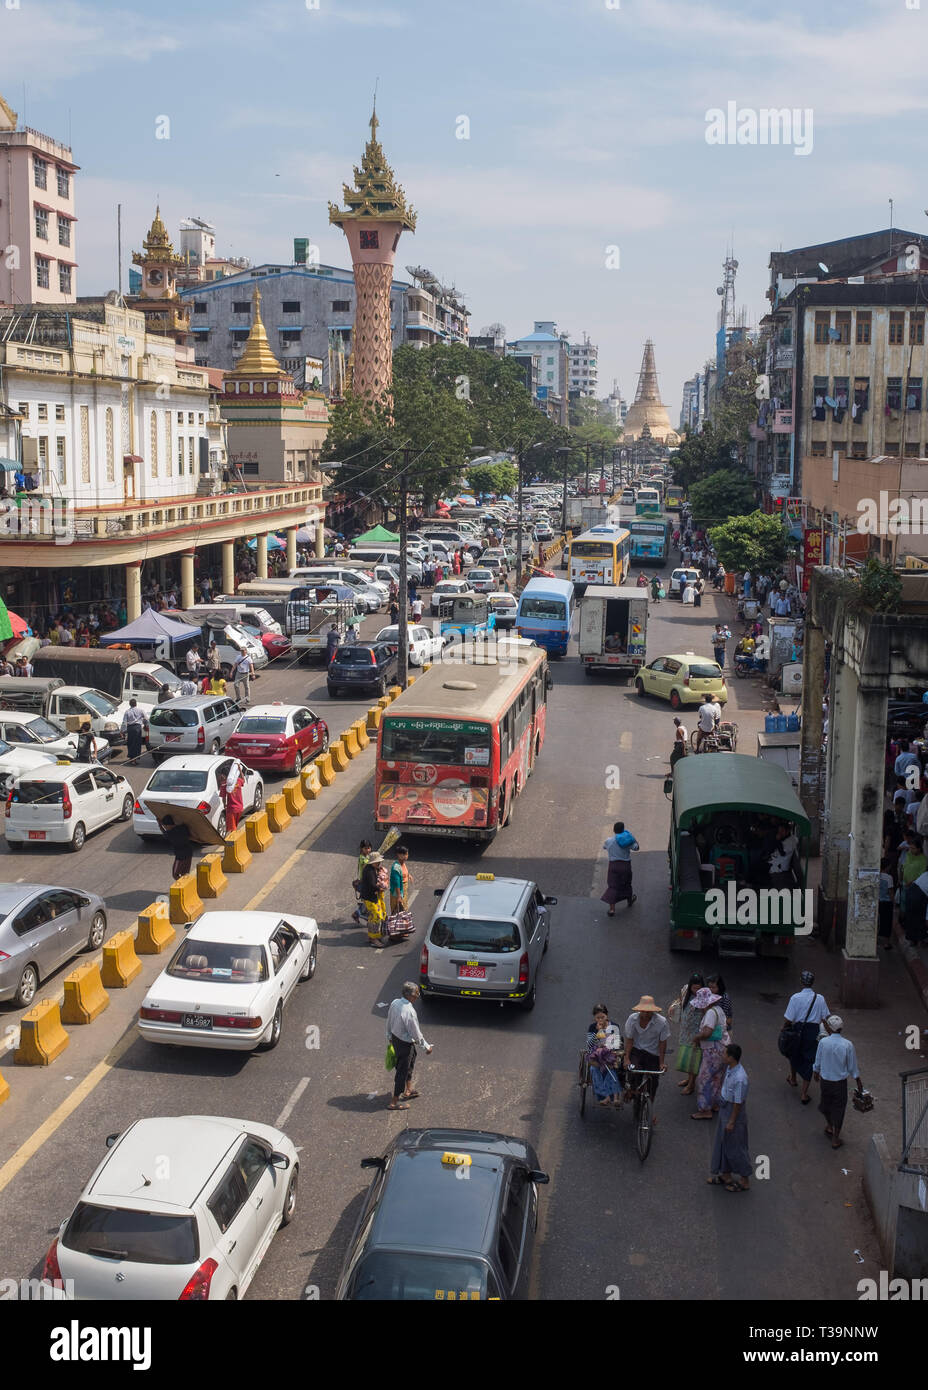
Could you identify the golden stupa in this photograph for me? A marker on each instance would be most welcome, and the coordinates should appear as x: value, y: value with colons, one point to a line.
x: 648, y: 408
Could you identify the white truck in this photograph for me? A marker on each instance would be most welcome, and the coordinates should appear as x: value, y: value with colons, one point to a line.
x: 593, y: 514
x: 613, y: 629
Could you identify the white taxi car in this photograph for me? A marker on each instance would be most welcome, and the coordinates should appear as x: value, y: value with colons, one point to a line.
x: 63, y: 804
x: 196, y: 1226
x: 193, y: 780
x: 227, y: 985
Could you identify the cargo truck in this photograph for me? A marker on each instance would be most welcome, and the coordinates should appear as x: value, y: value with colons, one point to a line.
x: 613, y: 629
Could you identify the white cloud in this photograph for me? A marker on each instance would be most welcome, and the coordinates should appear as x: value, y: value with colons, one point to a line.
x: 48, y: 43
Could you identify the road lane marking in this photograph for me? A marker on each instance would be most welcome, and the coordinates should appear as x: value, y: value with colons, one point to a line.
x: 56, y: 1119
x: 287, y: 1111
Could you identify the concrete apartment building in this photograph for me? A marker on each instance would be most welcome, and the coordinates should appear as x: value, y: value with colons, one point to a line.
x: 844, y: 418
x: 38, y: 244
x: 550, y: 390
x: 583, y: 371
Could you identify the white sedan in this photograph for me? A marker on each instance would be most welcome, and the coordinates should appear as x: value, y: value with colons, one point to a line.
x: 227, y: 985
x: 193, y: 780
x: 482, y: 580
x: 424, y: 645
x: 16, y: 759
x: 39, y: 734
x: 181, y: 1208
x: 448, y: 588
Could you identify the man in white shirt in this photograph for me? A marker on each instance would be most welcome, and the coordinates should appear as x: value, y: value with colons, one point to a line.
x: 194, y: 660
x: 907, y: 758
x: 416, y: 610
x: 646, y: 1032
x: 404, y: 1033
x: 709, y: 712
x: 242, y: 672
x: 835, y: 1061
x: 807, y: 1009
x: 782, y: 857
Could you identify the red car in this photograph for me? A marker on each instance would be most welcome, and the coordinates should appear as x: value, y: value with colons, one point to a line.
x: 278, y: 737
x: 274, y: 643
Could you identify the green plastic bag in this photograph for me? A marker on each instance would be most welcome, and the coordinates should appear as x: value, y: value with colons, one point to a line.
x: 390, y: 1060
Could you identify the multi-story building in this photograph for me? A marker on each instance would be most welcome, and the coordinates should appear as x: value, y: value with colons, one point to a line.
x: 583, y: 372
x: 550, y: 391
x: 689, y: 410
x: 38, y: 245
x: 124, y: 442
x: 309, y: 313
x: 844, y: 377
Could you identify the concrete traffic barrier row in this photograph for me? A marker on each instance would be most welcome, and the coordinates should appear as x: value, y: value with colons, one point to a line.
x: 120, y: 963
x: 339, y: 755
x: 360, y: 730
x: 84, y: 996
x: 325, y: 768
x: 349, y: 738
x: 312, y: 781
x: 41, y: 1035
x: 4, y: 1089
x: 374, y: 716
x: 257, y: 832
x: 294, y: 799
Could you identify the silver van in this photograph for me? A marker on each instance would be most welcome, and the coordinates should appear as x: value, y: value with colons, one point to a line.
x: 486, y: 940
x: 192, y: 724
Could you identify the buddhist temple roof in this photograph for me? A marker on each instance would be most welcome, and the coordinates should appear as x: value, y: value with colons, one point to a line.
x: 376, y: 196
x: 157, y: 246
x: 258, y: 359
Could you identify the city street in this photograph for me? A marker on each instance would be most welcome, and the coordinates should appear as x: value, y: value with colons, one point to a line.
x: 652, y: 1230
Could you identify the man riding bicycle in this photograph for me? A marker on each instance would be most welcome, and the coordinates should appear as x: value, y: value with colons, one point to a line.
x: 709, y: 717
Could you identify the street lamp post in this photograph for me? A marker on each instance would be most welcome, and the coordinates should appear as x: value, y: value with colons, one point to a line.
x: 566, y: 452
x: 521, y: 459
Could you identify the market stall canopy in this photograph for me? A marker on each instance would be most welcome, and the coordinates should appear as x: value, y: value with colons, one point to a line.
x: 6, y: 626
x: 273, y: 543
x: 376, y: 536
x: 150, y: 628
x: 306, y: 535
x: 19, y: 625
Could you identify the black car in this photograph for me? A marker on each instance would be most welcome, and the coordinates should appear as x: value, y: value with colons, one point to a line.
x: 450, y: 1215
x: 906, y: 718
x: 362, y: 666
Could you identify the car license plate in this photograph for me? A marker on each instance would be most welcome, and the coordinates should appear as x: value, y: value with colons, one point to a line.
x: 200, y: 1021
x: 472, y: 971
x: 172, y: 738
x: 36, y: 834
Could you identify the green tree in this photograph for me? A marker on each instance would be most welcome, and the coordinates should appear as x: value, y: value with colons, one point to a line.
x: 754, y: 542
x: 723, y: 494
x: 497, y: 478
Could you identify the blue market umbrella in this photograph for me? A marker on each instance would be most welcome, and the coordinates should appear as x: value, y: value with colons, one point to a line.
x: 273, y: 543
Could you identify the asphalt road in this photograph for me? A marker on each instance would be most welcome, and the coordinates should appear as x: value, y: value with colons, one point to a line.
x: 654, y: 1230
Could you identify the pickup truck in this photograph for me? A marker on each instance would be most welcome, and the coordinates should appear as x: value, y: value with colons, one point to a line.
x: 58, y: 702
x: 117, y: 672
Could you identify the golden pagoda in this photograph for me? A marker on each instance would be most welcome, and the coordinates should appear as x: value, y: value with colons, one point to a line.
x: 648, y: 410
x: 258, y: 360
x: 376, y: 195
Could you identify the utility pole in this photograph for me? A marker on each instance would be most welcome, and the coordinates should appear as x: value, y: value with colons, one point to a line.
x: 402, y: 655
x: 566, y: 453
x: 586, y: 481
x: 519, y: 522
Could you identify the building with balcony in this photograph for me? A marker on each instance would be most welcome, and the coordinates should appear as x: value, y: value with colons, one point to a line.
x: 38, y: 243
x: 434, y: 312
x: 845, y: 371
x: 583, y: 372
x: 123, y: 442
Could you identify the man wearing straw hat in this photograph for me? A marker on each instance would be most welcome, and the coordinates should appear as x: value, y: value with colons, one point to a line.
x: 646, y: 1033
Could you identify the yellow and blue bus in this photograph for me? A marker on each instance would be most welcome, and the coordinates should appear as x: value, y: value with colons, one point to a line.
x: 674, y: 499
x: 600, y: 556
x: 648, y: 502
x: 650, y: 541
x: 546, y: 614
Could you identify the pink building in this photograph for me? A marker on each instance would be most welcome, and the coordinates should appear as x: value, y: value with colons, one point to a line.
x: 38, y: 255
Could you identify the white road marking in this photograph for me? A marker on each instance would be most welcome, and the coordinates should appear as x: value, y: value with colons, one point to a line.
x: 287, y: 1111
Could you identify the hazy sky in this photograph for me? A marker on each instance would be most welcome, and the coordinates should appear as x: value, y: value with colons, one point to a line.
x: 587, y: 125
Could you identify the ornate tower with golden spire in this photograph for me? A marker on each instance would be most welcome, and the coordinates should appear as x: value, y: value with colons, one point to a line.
x: 373, y: 219
x: 165, y: 312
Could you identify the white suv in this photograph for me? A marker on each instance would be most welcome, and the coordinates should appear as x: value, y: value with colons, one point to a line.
x: 182, y: 1208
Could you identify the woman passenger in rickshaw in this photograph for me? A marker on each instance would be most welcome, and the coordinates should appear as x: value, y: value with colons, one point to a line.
x: 604, y: 1050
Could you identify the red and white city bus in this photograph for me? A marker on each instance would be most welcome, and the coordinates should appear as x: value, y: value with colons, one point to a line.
x: 458, y: 748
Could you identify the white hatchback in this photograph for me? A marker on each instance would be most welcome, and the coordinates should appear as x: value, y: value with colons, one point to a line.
x: 424, y: 645
x: 194, y: 781
x: 182, y: 1208
x: 64, y: 804
x: 227, y: 984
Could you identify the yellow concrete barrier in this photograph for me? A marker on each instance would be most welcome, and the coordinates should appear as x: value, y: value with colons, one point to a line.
x: 236, y: 856
x: 4, y: 1089
x: 185, y: 902
x: 339, y: 755
x: 278, y: 817
x: 154, y: 930
x: 325, y: 768
x: 349, y: 737
x: 360, y: 733
x: 385, y: 701
x: 257, y: 832
x: 41, y: 1036
x: 294, y: 800
x: 211, y: 881
x: 410, y: 680
x: 312, y: 782
x: 120, y: 963
x: 395, y: 692
x: 374, y: 716
x: 426, y: 666
x: 84, y: 995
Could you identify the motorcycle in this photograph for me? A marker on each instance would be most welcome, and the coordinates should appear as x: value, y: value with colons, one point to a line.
x: 749, y: 665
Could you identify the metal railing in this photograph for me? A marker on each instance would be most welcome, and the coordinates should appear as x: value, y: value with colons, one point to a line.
x: 914, y: 1121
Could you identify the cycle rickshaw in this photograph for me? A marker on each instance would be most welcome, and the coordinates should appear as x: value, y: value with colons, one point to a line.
x: 636, y: 1090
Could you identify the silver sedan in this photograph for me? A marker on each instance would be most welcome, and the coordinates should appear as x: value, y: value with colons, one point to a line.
x: 41, y: 927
